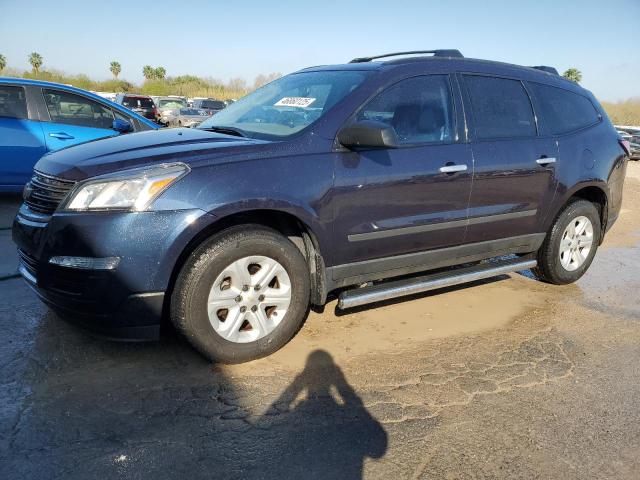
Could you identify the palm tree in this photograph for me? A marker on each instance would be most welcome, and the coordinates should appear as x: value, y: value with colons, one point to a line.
x: 148, y: 72
x: 115, y: 69
x: 160, y: 73
x: 35, y: 59
x: 573, y: 74
x: 3, y: 62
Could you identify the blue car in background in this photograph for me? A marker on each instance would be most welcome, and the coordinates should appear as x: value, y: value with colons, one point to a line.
x: 37, y: 117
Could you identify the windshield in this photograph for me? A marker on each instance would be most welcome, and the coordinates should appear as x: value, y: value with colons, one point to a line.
x: 172, y: 103
x: 288, y: 105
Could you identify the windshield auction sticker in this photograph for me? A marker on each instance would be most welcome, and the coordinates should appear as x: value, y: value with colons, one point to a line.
x: 301, y: 102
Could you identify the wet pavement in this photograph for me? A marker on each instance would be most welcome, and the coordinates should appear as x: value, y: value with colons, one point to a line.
x: 509, y: 378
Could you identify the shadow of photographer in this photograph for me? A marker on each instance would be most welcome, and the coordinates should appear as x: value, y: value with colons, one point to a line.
x: 328, y: 433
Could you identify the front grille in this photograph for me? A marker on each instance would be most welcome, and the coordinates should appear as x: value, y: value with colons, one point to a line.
x: 44, y: 193
x: 28, y: 262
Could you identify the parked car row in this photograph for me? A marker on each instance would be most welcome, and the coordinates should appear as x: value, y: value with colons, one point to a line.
x: 37, y: 117
x: 167, y: 110
x: 631, y: 135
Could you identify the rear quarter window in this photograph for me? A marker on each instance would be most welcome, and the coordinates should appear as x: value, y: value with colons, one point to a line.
x: 13, y: 103
x: 563, y: 111
x: 501, y: 107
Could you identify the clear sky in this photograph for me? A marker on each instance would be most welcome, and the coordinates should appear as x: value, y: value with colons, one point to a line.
x: 226, y: 39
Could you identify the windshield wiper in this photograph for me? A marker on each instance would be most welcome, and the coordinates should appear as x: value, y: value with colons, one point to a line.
x: 228, y: 130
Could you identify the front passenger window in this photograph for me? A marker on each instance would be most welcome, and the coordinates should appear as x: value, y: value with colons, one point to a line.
x: 418, y: 108
x: 72, y: 109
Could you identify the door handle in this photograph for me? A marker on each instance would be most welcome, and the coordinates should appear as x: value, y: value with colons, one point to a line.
x: 453, y: 168
x: 545, y: 160
x: 62, y: 136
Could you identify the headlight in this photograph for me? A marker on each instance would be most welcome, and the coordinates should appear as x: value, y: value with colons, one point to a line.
x: 132, y: 189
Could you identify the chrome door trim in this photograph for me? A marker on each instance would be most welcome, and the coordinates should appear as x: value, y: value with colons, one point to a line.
x: 394, y: 232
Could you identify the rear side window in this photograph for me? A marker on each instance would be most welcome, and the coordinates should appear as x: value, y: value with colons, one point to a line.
x: 13, y: 103
x: 213, y: 104
x: 71, y: 109
x: 563, y: 111
x: 138, y: 102
x: 418, y: 108
x: 501, y: 107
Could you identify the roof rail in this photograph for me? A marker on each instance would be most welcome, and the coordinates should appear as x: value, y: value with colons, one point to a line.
x: 544, y: 68
x: 435, y: 53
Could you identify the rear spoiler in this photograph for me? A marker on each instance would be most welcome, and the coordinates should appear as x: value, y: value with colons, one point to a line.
x: 544, y: 68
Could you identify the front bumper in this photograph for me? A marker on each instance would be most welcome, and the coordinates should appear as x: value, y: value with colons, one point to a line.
x: 126, y: 302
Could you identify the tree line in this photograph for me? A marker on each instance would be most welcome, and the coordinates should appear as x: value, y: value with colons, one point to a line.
x: 157, y: 82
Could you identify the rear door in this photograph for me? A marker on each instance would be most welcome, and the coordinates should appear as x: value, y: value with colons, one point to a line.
x: 74, y: 119
x: 21, y: 138
x: 514, y: 178
x: 390, y: 202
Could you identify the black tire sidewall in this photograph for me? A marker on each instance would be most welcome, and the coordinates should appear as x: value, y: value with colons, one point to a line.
x: 553, y: 268
x: 208, y: 261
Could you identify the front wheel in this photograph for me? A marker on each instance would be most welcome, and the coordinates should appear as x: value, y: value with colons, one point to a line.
x: 242, y: 295
x: 569, y: 248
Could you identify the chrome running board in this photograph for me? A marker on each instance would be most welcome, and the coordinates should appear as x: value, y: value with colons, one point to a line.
x: 400, y: 288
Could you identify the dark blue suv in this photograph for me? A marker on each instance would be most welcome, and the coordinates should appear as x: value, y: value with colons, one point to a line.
x: 395, y: 177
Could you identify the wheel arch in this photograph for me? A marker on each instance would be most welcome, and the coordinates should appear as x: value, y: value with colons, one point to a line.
x: 297, y: 230
x: 594, y: 192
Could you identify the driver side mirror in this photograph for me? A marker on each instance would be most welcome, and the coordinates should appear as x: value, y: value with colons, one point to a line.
x: 122, y: 126
x: 368, y: 134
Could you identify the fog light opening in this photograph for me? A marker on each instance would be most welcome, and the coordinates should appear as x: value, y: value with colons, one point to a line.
x: 86, y: 263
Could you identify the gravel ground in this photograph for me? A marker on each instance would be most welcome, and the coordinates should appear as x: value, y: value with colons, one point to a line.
x: 508, y: 378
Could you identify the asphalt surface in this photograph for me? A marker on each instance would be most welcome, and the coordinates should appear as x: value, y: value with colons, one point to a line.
x: 503, y: 379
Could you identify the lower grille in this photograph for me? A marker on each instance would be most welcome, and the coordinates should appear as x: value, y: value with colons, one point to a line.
x: 44, y: 193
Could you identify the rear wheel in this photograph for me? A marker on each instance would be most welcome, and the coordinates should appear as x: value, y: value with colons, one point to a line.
x: 242, y: 295
x: 570, y: 246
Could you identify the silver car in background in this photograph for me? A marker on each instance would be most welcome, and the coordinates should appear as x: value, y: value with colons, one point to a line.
x: 168, y: 104
x: 185, y: 117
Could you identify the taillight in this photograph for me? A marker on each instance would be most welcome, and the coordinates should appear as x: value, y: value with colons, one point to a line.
x: 155, y: 111
x: 626, y: 146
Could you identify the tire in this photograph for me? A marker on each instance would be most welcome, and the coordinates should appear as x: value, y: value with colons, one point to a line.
x: 194, y: 290
x: 552, y: 267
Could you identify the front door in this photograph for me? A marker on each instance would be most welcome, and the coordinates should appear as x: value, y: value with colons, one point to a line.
x: 74, y: 119
x: 413, y: 198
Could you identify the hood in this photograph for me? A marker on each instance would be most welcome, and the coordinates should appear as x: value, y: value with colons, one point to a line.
x: 112, y: 154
